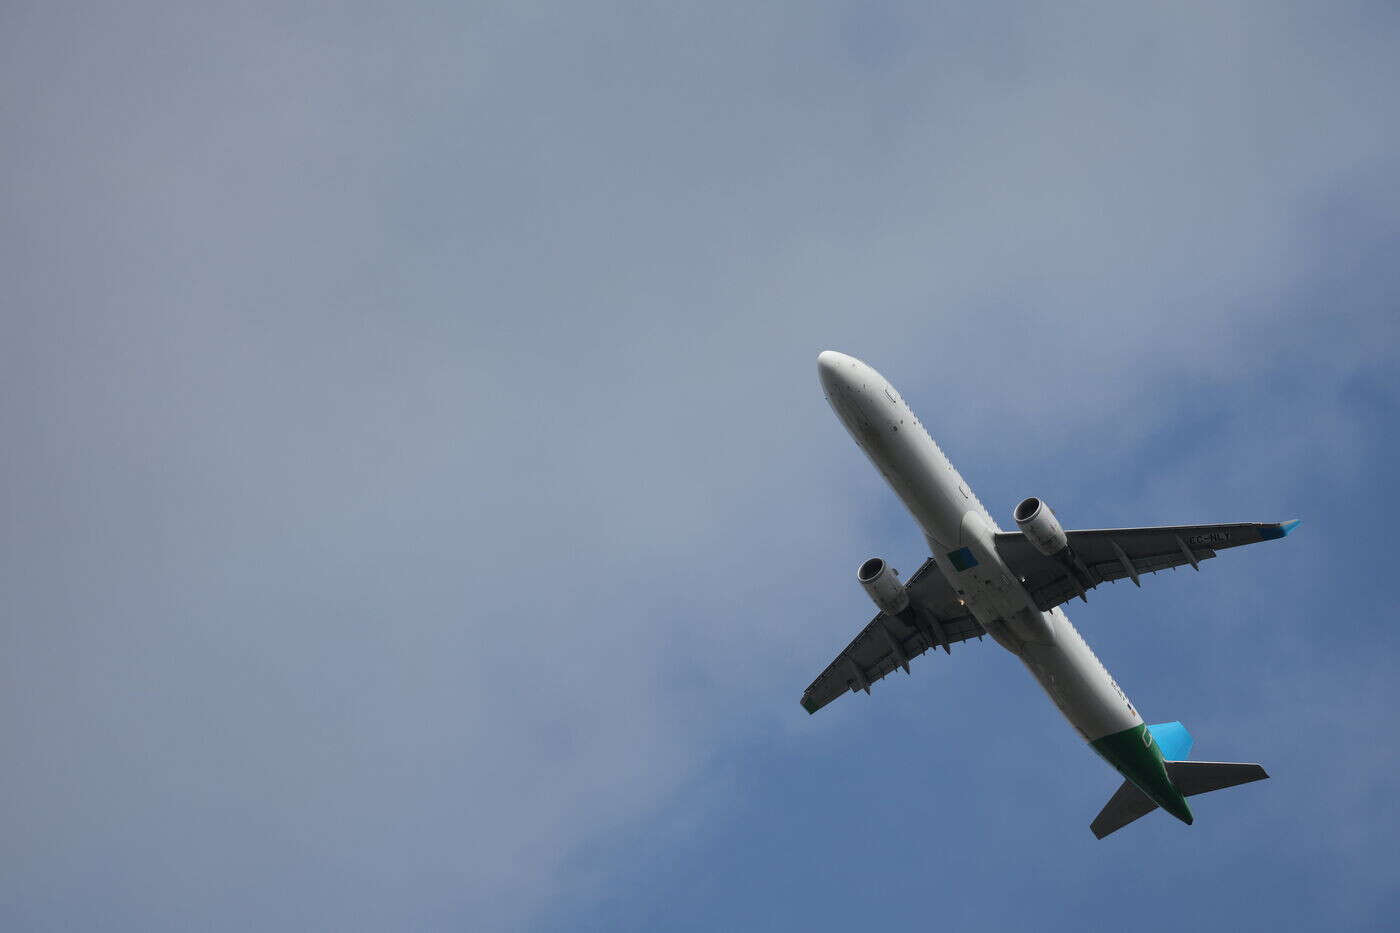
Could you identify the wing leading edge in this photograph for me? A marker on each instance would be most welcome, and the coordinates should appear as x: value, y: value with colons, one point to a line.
x: 934, y: 619
x: 1101, y: 555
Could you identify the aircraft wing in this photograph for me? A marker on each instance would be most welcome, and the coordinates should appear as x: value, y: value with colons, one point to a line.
x: 1095, y: 557
x: 934, y: 619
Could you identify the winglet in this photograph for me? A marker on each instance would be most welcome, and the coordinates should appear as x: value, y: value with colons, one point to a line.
x: 1270, y: 532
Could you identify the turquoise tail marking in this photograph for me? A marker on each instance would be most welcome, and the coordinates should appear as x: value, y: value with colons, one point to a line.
x: 1172, y: 739
x: 1273, y: 532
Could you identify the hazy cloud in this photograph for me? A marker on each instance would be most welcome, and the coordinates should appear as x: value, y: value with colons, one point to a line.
x: 421, y: 506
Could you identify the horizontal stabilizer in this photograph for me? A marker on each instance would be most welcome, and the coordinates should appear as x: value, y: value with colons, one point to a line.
x: 1202, y: 777
x: 1190, y: 777
x: 1122, y: 808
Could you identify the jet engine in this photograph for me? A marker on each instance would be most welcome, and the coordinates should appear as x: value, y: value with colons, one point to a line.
x: 881, y: 581
x: 1040, y: 526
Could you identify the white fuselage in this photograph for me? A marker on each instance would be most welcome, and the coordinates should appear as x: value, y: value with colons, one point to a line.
x: 953, y: 519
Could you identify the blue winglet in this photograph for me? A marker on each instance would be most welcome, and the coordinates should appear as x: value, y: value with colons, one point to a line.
x: 1279, y: 530
x: 1173, y: 740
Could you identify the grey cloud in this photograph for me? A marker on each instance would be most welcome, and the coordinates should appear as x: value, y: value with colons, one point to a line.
x: 416, y: 448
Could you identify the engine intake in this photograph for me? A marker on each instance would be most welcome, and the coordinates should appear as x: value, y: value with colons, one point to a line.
x: 1040, y: 526
x: 881, y: 581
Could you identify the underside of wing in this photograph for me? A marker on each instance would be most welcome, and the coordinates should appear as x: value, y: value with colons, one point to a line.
x: 935, y: 618
x: 1101, y: 555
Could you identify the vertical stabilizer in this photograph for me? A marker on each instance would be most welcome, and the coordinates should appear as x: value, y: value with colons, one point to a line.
x: 1173, y: 740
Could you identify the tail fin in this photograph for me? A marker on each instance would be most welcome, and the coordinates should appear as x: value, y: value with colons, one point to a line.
x: 1189, y: 777
x: 1173, y: 740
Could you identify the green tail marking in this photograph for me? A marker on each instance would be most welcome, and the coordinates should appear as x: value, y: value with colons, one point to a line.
x: 1135, y: 755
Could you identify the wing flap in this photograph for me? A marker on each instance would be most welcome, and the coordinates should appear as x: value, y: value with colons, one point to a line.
x: 1107, y: 554
x: 934, y: 619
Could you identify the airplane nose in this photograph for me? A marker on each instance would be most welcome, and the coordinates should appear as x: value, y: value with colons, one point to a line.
x: 829, y: 366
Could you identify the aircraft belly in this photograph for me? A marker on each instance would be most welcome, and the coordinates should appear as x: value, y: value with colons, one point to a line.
x: 993, y: 594
x: 920, y: 485
x: 1078, y: 683
x: 919, y: 474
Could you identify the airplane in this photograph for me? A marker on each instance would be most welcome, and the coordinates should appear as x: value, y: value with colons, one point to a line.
x: 1010, y: 585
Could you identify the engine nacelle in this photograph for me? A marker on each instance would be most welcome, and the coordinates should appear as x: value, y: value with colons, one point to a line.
x: 881, y: 581
x: 1041, y: 527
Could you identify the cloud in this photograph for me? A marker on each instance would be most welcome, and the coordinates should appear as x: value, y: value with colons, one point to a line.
x: 418, y: 460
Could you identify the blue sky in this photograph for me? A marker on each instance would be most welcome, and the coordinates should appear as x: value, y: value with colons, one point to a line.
x: 422, y: 512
